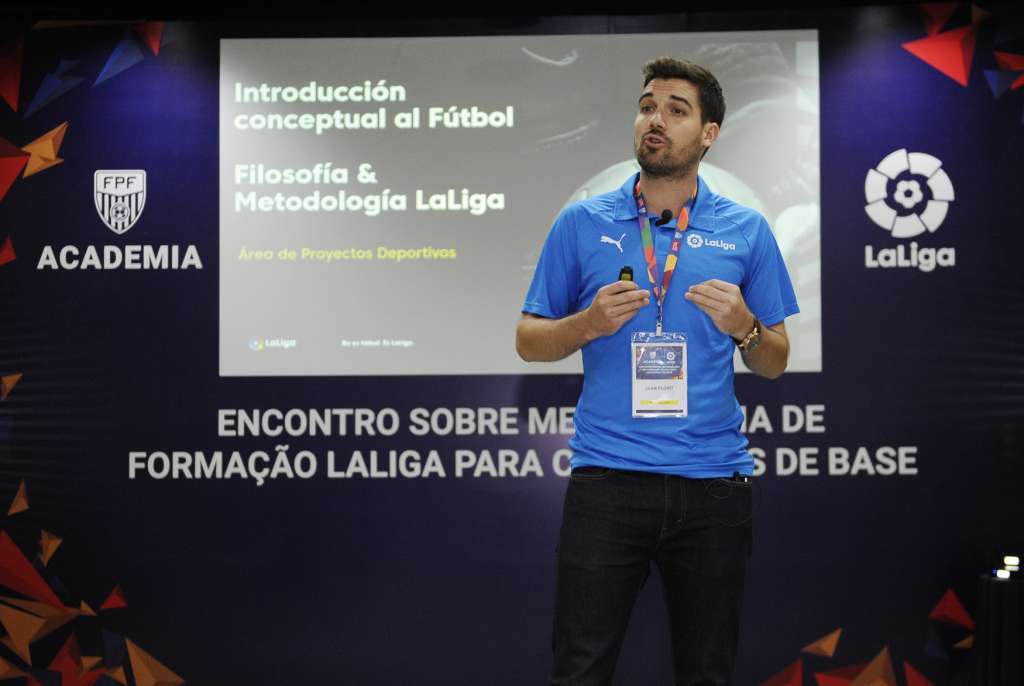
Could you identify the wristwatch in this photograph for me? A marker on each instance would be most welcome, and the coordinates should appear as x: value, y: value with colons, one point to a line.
x: 752, y: 339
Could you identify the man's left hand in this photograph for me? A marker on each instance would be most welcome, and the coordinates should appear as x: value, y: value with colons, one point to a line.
x: 723, y: 302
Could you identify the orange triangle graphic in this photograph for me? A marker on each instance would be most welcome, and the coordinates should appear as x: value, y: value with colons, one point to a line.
x: 20, y: 503
x: 86, y: 610
x: 951, y: 52
x: 149, y: 672
x: 88, y: 662
x: 7, y: 383
x: 48, y: 544
x: 43, y: 151
x: 118, y: 676
x: 965, y: 644
x: 44, y: 618
x: 824, y: 646
x: 22, y: 628
x: 9, y: 671
x: 879, y: 672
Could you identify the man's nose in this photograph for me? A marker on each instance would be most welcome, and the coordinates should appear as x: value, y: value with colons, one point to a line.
x: 656, y: 120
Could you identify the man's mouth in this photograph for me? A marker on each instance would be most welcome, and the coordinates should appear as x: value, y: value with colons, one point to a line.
x: 654, y: 139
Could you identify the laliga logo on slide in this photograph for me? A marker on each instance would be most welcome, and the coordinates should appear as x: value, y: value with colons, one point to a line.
x: 908, y: 194
x: 120, y: 196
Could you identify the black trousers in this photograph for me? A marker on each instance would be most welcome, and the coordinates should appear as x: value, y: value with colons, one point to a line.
x: 614, y: 525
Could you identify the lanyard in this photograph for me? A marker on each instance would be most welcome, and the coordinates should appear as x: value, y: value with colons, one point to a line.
x: 652, y: 261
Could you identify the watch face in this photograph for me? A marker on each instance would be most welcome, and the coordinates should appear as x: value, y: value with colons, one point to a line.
x: 753, y: 339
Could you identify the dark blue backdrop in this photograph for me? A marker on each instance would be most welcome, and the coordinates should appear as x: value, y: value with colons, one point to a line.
x: 395, y: 581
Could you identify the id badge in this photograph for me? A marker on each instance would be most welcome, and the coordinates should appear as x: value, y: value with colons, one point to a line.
x: 659, y: 374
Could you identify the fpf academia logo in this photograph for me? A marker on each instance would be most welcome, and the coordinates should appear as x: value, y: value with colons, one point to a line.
x: 120, y: 197
x: 908, y: 194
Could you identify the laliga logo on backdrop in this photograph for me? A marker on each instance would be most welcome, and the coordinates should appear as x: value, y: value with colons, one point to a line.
x: 120, y: 196
x: 908, y: 194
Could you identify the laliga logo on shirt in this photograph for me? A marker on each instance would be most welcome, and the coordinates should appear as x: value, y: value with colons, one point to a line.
x: 908, y: 194
x: 695, y: 240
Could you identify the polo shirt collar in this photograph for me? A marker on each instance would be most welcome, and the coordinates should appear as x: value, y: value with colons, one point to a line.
x: 702, y: 216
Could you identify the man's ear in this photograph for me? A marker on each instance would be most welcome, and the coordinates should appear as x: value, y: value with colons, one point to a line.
x: 711, y: 131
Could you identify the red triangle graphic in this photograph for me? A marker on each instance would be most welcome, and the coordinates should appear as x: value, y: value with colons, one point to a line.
x: 844, y: 676
x: 68, y: 662
x: 115, y: 600
x: 7, y: 252
x: 18, y: 574
x: 950, y: 53
x: 10, y: 72
x: 12, y: 161
x: 150, y: 32
x: 936, y: 14
x: 1009, y: 61
x: 951, y: 611
x: 793, y: 675
x: 914, y: 677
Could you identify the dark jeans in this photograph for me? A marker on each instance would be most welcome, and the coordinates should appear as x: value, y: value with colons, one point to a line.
x: 615, y: 523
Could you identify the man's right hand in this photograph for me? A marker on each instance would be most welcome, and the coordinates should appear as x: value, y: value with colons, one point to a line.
x: 614, y: 305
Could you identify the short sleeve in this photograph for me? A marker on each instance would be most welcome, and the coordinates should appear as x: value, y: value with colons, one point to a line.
x: 554, y: 290
x: 767, y: 288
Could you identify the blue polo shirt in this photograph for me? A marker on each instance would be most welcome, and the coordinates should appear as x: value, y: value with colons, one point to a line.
x: 724, y: 241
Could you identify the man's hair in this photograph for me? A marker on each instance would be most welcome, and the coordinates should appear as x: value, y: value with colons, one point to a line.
x: 712, y: 103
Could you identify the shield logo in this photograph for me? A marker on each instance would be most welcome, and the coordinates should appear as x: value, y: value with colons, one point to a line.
x: 120, y: 196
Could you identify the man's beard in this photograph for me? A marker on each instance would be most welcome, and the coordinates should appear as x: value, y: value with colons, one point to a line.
x: 667, y: 166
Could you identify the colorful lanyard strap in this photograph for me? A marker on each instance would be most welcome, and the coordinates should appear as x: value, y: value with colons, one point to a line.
x: 652, y: 261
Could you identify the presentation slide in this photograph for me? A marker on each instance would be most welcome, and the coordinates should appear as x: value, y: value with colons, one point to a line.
x: 383, y: 202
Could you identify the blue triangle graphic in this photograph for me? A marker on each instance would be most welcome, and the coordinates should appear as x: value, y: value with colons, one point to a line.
x: 1000, y: 81
x: 934, y: 647
x: 52, y: 87
x: 114, y: 649
x: 125, y: 56
x: 65, y: 66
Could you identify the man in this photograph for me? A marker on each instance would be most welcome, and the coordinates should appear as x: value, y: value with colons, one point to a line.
x: 660, y: 470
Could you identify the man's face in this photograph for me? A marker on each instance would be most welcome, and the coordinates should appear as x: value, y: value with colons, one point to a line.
x: 668, y: 135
